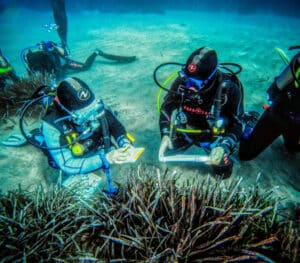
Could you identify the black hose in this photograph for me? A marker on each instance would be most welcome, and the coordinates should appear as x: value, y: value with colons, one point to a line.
x: 105, y: 132
x: 221, y: 65
x: 224, y: 64
x: 28, y: 137
x: 160, y: 66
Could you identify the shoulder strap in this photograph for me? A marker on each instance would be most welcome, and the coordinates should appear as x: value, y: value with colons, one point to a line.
x: 224, y: 83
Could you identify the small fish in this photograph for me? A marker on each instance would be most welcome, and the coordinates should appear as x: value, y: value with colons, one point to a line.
x: 50, y: 26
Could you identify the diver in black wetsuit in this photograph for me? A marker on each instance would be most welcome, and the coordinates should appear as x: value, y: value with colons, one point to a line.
x: 282, y: 117
x: 204, y: 100
x: 49, y: 57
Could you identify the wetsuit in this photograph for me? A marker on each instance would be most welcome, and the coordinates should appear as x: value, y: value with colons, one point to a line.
x: 54, y: 134
x: 54, y: 61
x: 196, y: 110
x: 281, y: 118
x: 6, y: 72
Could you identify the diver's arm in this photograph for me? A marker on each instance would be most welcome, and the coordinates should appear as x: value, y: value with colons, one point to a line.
x: 116, y: 129
x: 64, y: 158
x: 234, y: 110
x: 169, y: 104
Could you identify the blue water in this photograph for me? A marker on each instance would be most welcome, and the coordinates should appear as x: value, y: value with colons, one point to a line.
x: 241, y: 32
x: 289, y: 8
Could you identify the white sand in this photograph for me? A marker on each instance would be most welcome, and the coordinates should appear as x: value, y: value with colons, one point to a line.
x: 130, y: 90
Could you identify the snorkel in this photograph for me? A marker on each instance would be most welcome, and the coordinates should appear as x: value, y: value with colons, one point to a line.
x: 291, y: 73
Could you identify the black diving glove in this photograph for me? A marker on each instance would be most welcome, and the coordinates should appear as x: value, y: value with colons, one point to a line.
x: 220, y: 160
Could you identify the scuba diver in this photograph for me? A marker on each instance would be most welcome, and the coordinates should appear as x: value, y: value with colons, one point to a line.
x: 7, y: 72
x: 208, y: 104
x: 78, y: 133
x: 281, y: 117
x: 49, y: 57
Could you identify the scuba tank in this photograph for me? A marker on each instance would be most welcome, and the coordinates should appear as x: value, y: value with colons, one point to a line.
x: 289, y: 74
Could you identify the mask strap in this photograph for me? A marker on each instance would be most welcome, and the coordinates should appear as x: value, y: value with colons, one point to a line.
x: 64, y: 108
x: 211, y: 75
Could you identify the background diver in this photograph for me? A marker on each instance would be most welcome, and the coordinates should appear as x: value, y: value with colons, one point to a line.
x: 281, y: 117
x: 47, y: 57
x: 52, y: 58
x: 208, y: 105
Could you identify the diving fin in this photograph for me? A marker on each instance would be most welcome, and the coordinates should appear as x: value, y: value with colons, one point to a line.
x: 124, y: 59
x: 14, y: 141
x: 60, y: 17
x: 283, y: 56
x: 294, y: 47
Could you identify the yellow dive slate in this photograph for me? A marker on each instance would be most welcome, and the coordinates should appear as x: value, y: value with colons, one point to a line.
x: 134, y: 154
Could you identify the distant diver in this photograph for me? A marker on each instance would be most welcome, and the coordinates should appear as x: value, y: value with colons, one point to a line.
x: 48, y: 57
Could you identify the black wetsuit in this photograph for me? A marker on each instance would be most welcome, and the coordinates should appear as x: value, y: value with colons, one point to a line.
x: 281, y: 118
x: 197, y: 107
x: 53, y: 62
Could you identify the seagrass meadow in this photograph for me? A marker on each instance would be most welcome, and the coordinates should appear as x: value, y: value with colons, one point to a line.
x: 13, y: 97
x: 154, y: 218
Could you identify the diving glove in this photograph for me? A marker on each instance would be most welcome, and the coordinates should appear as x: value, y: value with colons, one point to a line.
x: 217, y: 154
x: 220, y: 161
x: 165, y: 144
x: 125, y: 154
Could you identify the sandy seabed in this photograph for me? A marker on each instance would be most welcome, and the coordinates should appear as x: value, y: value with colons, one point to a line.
x: 129, y: 89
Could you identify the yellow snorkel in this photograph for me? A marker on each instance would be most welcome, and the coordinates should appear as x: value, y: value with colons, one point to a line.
x: 289, y: 72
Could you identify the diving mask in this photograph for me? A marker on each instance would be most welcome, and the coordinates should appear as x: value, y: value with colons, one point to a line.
x: 196, y: 83
x: 47, y: 45
x: 88, y: 114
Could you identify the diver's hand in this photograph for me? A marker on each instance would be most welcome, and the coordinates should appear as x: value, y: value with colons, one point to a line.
x: 220, y: 161
x: 218, y: 155
x: 164, y: 145
x: 119, y: 155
